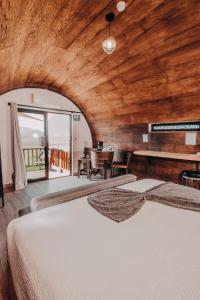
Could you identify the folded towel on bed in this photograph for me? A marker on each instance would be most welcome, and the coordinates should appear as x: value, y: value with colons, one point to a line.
x: 175, y: 195
x: 117, y: 204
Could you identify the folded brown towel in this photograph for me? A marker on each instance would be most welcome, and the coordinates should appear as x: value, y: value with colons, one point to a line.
x: 175, y: 195
x: 117, y: 204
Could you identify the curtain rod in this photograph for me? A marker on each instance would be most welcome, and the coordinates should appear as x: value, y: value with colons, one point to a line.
x: 44, y: 108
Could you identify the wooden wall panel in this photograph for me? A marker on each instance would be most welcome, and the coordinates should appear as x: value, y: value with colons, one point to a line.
x: 153, y: 76
x: 161, y: 169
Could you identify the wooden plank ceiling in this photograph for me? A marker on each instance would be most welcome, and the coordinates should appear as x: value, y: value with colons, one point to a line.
x: 153, y: 75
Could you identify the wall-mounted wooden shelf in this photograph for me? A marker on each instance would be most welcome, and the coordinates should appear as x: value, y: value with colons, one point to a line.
x: 169, y: 155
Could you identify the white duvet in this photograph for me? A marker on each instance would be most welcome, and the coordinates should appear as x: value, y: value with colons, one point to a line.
x: 72, y: 252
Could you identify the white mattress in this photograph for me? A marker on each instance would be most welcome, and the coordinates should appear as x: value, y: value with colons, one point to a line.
x: 72, y: 252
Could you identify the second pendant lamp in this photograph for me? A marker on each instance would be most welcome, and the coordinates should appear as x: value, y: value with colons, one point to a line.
x: 109, y: 44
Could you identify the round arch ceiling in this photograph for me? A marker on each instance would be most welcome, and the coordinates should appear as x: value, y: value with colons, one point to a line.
x: 153, y: 75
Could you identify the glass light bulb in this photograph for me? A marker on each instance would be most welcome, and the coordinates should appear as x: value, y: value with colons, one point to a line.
x: 109, y: 45
x: 121, y: 5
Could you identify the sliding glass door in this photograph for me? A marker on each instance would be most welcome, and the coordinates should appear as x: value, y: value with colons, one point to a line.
x: 59, y: 144
x: 34, y: 141
x: 46, y: 140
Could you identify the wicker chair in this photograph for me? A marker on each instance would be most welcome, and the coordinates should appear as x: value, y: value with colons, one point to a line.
x: 101, y: 160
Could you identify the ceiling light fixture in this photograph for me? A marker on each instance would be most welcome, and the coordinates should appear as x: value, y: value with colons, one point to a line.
x: 109, y: 44
x: 121, y: 6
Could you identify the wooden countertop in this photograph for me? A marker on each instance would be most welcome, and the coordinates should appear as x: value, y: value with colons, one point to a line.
x: 170, y: 155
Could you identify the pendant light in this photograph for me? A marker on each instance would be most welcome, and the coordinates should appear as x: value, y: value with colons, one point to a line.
x: 109, y: 44
x: 121, y: 6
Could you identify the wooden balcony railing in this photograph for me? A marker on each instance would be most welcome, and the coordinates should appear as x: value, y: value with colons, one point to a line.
x: 60, y: 158
x: 35, y: 158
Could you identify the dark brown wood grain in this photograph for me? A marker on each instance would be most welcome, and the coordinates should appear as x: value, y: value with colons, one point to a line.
x: 160, y: 168
x: 153, y: 76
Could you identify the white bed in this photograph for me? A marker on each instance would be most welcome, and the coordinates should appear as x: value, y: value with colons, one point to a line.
x: 72, y: 252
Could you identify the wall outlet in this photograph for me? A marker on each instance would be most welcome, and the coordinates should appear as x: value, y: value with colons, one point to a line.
x: 190, y: 138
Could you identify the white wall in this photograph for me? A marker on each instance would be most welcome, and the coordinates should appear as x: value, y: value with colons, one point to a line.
x: 81, y: 132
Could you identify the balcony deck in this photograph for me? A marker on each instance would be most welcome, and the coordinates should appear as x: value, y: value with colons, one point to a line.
x: 32, y: 175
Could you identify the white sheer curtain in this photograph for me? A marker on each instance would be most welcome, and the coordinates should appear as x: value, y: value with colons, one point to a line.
x: 19, y: 175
